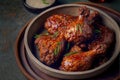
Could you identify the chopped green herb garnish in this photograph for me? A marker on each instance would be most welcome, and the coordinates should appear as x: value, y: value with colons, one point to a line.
x: 92, y: 21
x: 37, y: 35
x: 57, y: 49
x: 67, y: 54
x: 46, y: 33
x: 68, y: 46
x: 55, y: 34
x: 44, y: 1
x: 78, y: 27
x: 97, y: 31
x: 80, y: 30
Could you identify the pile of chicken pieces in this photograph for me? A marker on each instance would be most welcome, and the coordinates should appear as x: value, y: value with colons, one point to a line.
x: 77, y: 39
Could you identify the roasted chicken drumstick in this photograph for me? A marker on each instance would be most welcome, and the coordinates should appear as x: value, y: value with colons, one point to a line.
x: 81, y: 36
x: 58, y: 22
x: 50, y: 48
x: 81, y: 28
x: 105, y: 37
x: 79, y: 61
x: 76, y: 28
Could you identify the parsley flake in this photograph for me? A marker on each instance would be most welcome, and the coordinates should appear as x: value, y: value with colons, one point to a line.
x: 70, y: 53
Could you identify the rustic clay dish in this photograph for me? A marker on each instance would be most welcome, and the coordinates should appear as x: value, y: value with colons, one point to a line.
x: 36, y: 25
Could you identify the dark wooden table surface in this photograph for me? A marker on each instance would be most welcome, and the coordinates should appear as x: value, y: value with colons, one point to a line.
x: 13, y: 16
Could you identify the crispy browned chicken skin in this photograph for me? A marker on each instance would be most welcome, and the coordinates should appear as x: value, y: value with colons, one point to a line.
x: 50, y: 48
x: 79, y: 61
x: 75, y: 28
x: 58, y: 22
x: 82, y: 60
x: 75, y: 48
x: 81, y: 29
x: 105, y: 38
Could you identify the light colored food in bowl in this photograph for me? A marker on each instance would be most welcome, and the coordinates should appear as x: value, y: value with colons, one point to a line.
x: 39, y: 3
x: 71, y: 9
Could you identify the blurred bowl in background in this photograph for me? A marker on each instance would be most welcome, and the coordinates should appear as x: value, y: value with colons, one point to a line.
x: 37, y: 6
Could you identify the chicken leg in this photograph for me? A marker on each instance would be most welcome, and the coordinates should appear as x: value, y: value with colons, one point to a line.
x: 50, y: 49
x: 79, y: 61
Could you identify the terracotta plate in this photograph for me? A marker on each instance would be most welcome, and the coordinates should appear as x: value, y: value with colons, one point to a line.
x: 25, y: 67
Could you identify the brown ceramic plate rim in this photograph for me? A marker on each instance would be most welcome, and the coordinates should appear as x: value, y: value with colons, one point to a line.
x: 16, y: 45
x: 62, y: 72
x: 16, y: 51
